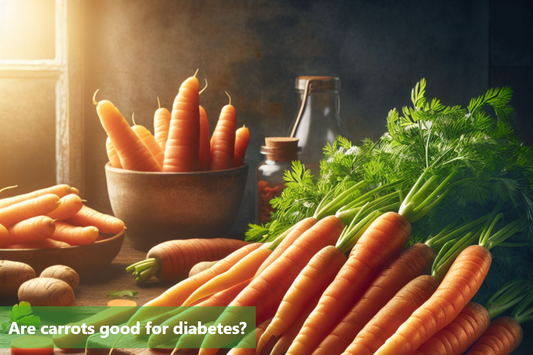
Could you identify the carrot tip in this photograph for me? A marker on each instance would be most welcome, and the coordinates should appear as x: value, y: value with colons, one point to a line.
x: 196, y: 72
x: 94, y: 98
x: 263, y: 340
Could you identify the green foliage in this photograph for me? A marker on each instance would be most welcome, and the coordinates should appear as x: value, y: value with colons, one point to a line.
x: 22, y: 314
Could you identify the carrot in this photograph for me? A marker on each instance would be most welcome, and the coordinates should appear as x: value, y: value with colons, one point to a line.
x: 149, y: 140
x: 69, y: 206
x: 312, y: 281
x: 33, y: 207
x: 134, y: 155
x: 460, y: 284
x: 31, y: 230
x: 411, y: 263
x: 242, y: 138
x: 205, y: 144
x: 392, y: 315
x: 32, y: 345
x: 172, y: 260
x: 4, y: 236
x: 247, y: 345
x: 223, y: 140
x: 42, y: 244
x: 114, y: 159
x: 379, y: 244
x: 161, y: 125
x: 266, y: 290
x: 503, y: 337
x: 243, y: 270
x: 117, y: 302
x: 460, y: 334
x: 58, y: 190
x: 183, y: 144
x: 87, y: 217
x: 176, y: 295
x: 74, y: 235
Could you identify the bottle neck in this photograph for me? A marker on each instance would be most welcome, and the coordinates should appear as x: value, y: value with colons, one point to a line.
x: 325, y: 103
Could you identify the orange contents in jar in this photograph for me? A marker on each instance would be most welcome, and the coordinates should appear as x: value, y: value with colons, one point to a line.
x: 265, y: 193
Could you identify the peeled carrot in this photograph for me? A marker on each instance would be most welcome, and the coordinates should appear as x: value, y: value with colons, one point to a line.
x: 149, y: 140
x: 183, y: 144
x: 161, y: 125
x: 223, y: 140
x: 242, y: 138
x: 411, y: 263
x: 114, y: 159
x: 205, y: 144
x: 249, y: 341
x: 311, y: 282
x: 392, y: 315
x: 31, y: 230
x: 134, y: 155
x: 460, y: 334
x: 243, y: 270
x: 503, y: 337
x: 381, y: 242
x: 69, y: 206
x: 33, y: 207
x: 87, y: 217
x: 4, y: 236
x: 267, y: 289
x: 58, y: 190
x: 42, y: 244
x: 74, y: 235
x: 460, y: 284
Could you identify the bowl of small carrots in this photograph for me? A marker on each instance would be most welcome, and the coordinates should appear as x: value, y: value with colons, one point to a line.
x: 159, y: 206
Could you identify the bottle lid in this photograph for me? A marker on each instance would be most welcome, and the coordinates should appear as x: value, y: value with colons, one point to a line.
x: 318, y: 83
x: 280, y: 148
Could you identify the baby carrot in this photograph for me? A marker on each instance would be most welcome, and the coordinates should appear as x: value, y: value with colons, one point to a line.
x: 161, y: 125
x: 87, y: 217
x: 69, y: 206
x: 503, y: 337
x: 183, y: 144
x: 31, y: 230
x: 205, y: 144
x: 460, y: 284
x: 74, y: 235
x: 4, y: 236
x: 42, y: 244
x: 379, y: 244
x: 58, y: 190
x: 149, y: 140
x: 114, y: 159
x: 33, y: 207
x: 242, y: 138
x: 223, y: 140
x: 411, y: 263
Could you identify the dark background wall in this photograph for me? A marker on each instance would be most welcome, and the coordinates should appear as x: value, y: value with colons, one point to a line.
x: 254, y: 49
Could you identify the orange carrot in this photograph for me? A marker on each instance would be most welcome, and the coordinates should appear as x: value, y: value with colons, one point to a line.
x: 381, y: 242
x: 58, y: 190
x: 243, y: 270
x: 31, y: 230
x: 4, y: 236
x: 460, y: 334
x: 205, y: 144
x: 69, y: 206
x: 242, y: 138
x: 411, y: 263
x: 312, y: 281
x: 149, y: 140
x: 43, y: 244
x: 161, y: 125
x: 223, y: 140
x: 118, y: 302
x: 392, y: 315
x: 183, y: 144
x: 74, y: 235
x: 503, y: 337
x: 134, y: 155
x: 266, y: 290
x: 114, y: 159
x: 87, y: 217
x: 33, y: 207
x: 246, y: 345
x: 460, y: 284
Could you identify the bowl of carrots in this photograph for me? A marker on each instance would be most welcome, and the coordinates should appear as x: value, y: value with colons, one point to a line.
x: 180, y: 182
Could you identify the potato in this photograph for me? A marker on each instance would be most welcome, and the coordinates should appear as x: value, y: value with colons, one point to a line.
x: 12, y: 275
x: 201, y: 266
x: 46, y: 291
x: 64, y: 273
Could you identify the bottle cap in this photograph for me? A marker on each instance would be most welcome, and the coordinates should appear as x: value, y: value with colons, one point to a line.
x: 280, y: 148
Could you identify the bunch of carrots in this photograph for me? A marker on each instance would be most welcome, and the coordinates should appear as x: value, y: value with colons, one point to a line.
x: 181, y: 141
x: 328, y: 286
x: 53, y: 217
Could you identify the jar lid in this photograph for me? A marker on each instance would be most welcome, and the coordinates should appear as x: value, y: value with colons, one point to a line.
x: 318, y: 82
x: 280, y: 148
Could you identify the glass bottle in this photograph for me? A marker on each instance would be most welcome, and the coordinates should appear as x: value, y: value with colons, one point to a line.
x: 318, y: 121
x: 279, y: 153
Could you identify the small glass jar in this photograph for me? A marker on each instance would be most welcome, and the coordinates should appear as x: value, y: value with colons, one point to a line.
x: 279, y: 153
x: 318, y: 121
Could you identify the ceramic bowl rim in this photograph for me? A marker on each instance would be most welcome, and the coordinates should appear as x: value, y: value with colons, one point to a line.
x: 115, y: 170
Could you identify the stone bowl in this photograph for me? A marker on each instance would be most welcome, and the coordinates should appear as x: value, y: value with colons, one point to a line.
x: 157, y: 207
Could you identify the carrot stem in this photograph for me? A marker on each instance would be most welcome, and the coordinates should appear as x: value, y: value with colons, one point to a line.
x: 507, y: 296
x: 144, y: 269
